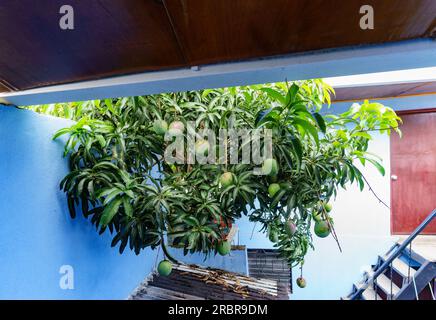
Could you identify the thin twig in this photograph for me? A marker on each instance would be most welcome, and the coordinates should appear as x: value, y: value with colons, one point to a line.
x: 378, y: 129
x: 375, y: 194
x: 335, y: 236
x: 326, y: 218
x: 252, y: 231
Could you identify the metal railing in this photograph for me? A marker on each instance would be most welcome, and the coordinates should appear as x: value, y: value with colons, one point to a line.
x: 395, y: 254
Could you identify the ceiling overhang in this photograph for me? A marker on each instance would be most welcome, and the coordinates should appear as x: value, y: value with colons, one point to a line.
x: 139, y: 41
x: 343, y: 62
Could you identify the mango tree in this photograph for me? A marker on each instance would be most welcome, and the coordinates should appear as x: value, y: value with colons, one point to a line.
x: 120, y: 180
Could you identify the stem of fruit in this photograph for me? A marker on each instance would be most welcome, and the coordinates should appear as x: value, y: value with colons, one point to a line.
x: 167, y: 254
x: 335, y: 236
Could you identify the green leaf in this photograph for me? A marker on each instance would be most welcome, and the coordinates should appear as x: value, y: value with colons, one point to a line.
x: 298, y: 149
x: 127, y: 207
x: 266, y: 115
x: 320, y: 121
x: 277, y: 198
x: 308, y: 128
x: 379, y: 167
x: 110, y: 211
x: 275, y: 95
x: 61, y: 132
x: 362, y: 134
x: 292, y: 93
x: 101, y: 140
x: 71, y: 206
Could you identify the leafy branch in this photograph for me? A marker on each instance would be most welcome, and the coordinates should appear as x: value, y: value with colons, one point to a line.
x: 120, y: 181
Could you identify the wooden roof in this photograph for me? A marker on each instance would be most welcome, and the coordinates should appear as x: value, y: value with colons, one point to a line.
x: 191, y: 282
x: 116, y: 37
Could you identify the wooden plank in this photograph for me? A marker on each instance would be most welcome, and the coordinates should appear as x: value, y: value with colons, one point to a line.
x: 116, y: 37
x: 225, y: 30
x: 209, y: 284
x: 209, y: 291
x: 111, y: 37
x: 232, y: 278
x: 166, y: 294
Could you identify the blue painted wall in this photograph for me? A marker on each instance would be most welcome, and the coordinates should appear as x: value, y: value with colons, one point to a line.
x: 37, y: 235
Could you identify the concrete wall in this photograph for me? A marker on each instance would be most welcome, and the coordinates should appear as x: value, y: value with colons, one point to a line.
x: 37, y: 236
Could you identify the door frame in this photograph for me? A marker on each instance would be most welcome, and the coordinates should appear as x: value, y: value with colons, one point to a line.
x: 400, y: 113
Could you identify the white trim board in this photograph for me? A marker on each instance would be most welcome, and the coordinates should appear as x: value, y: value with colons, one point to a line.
x: 417, y: 102
x: 418, y: 75
x: 332, y: 63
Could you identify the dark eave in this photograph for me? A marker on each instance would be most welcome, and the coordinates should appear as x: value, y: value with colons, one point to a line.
x: 119, y: 37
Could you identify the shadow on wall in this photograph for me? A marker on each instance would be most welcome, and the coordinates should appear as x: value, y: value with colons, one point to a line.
x: 37, y: 236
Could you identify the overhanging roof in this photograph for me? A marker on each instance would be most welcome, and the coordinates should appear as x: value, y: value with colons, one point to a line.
x: 192, y: 282
x: 114, y: 37
x: 341, y: 62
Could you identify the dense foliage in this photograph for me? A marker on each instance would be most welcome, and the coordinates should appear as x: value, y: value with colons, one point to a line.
x: 121, y: 182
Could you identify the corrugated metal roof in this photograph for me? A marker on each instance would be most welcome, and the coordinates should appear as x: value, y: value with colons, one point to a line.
x: 267, y: 264
x: 191, y: 282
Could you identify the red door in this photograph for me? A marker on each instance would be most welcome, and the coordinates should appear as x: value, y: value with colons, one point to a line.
x: 413, y: 173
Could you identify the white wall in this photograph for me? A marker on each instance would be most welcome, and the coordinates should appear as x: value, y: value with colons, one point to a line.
x: 363, y: 228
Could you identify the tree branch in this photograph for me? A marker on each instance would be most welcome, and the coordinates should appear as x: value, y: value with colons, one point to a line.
x: 373, y: 192
x: 377, y: 129
x: 326, y: 218
x: 335, y: 236
x: 167, y: 254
